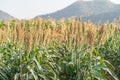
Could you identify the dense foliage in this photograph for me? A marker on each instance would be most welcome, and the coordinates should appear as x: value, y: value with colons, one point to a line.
x: 45, y: 49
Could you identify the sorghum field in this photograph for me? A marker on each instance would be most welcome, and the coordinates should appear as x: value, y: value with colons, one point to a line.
x: 48, y: 49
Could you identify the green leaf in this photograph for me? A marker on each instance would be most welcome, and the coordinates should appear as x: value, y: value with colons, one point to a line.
x: 98, y: 75
x: 16, y: 77
x: 42, y: 76
x: 38, y: 65
x: 98, y: 67
x: 27, y: 78
x: 111, y: 73
x: 35, y: 77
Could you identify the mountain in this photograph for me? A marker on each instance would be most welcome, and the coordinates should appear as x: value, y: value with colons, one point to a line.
x: 5, y: 16
x: 109, y: 16
x: 94, y: 10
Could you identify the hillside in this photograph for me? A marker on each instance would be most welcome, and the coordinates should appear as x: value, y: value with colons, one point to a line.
x: 88, y: 10
x: 109, y: 16
x: 5, y: 16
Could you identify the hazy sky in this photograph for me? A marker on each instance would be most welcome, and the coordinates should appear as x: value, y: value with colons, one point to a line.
x: 30, y: 8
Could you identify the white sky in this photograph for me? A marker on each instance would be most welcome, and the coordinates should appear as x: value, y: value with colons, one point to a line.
x: 30, y: 8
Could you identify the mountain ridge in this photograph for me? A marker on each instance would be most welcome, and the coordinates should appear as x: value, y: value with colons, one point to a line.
x: 5, y: 16
x: 85, y: 9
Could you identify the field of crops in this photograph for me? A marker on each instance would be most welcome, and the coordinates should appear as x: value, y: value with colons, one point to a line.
x: 46, y: 49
